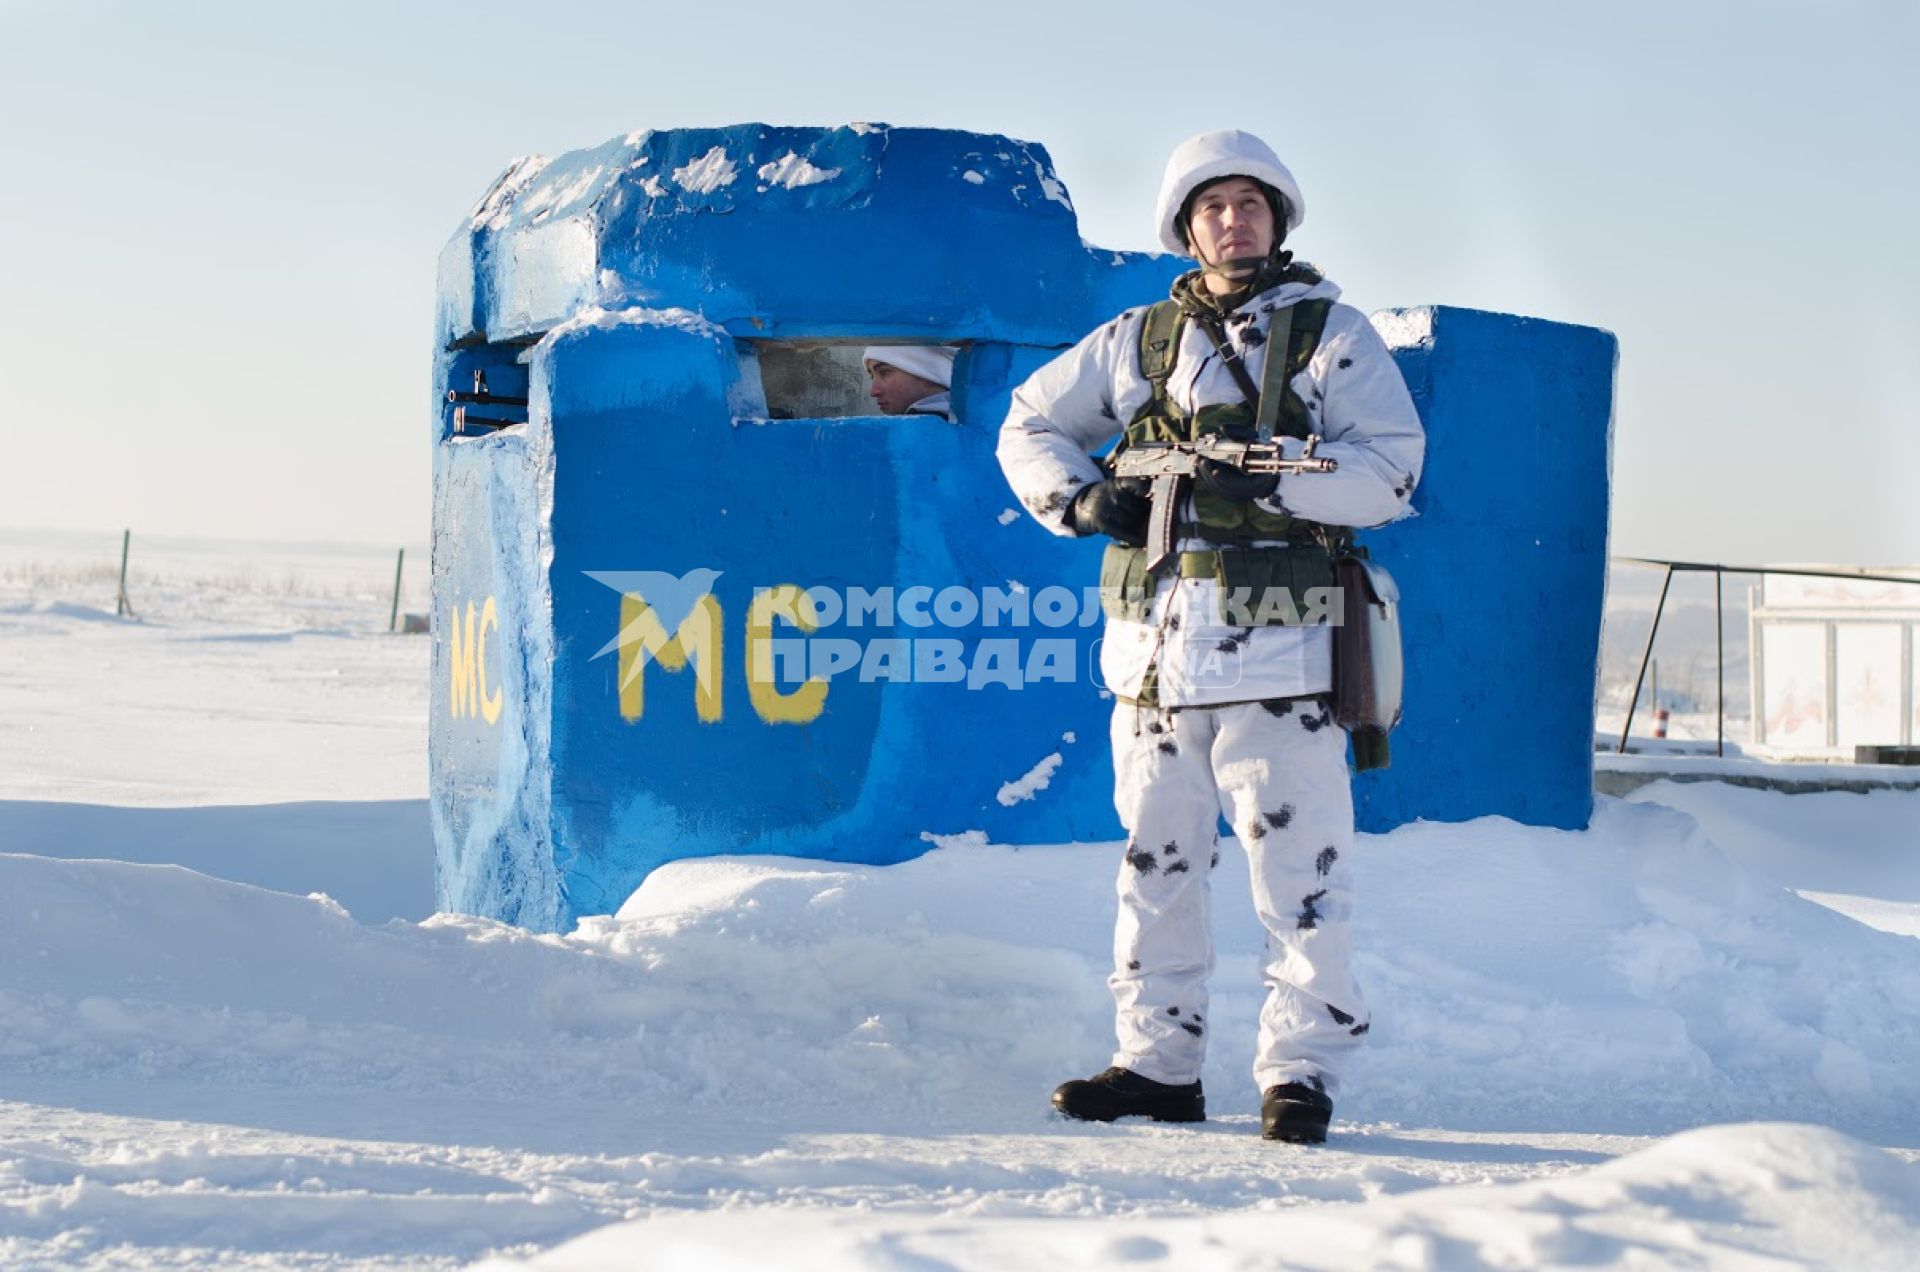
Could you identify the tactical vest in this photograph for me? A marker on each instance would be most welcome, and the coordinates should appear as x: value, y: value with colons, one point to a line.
x: 1307, y: 560
x: 1305, y: 563
x: 1160, y: 420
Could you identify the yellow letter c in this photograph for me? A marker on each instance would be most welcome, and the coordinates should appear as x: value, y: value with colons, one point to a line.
x: 804, y: 704
x: 490, y: 703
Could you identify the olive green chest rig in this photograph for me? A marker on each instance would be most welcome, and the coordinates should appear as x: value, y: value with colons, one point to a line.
x: 1294, y: 333
x: 1293, y: 554
x: 1306, y: 562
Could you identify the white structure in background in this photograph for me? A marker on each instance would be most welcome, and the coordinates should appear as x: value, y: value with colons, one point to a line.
x: 1835, y: 663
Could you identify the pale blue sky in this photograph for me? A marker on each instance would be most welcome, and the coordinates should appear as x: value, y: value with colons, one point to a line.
x: 219, y: 221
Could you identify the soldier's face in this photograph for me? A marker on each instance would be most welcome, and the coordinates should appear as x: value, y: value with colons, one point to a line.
x: 1231, y: 218
x: 894, y: 390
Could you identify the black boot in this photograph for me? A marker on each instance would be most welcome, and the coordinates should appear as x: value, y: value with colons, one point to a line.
x: 1124, y: 1093
x: 1295, y: 1113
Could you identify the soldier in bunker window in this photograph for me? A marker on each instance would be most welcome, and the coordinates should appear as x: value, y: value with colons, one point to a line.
x: 911, y: 379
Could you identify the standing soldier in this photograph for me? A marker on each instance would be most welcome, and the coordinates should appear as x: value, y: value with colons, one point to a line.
x: 1212, y: 715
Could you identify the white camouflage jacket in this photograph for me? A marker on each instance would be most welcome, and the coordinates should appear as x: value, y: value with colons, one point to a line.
x: 1358, y: 404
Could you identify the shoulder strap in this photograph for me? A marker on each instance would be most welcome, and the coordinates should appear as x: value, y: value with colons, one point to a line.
x: 1230, y: 359
x: 1160, y: 343
x: 1292, y: 336
x: 1159, y: 348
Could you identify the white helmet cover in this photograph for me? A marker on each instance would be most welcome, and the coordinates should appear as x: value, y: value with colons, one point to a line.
x: 1209, y: 157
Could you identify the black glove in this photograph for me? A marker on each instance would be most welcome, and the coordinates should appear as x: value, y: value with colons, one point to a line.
x: 1118, y: 507
x: 1235, y: 485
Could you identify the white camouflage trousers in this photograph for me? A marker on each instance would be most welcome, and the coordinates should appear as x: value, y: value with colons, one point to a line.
x: 1278, y: 771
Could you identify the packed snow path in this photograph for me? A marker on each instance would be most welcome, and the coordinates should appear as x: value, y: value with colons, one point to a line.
x: 115, y: 1192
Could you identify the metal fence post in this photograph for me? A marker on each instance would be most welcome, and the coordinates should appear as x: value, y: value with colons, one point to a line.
x: 393, y: 618
x: 122, y: 604
x: 1720, y: 670
x: 1645, y: 655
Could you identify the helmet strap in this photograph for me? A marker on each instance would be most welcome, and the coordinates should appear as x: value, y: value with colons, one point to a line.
x: 1245, y: 275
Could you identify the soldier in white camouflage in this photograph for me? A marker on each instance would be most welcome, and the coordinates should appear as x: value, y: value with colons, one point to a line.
x: 1218, y: 710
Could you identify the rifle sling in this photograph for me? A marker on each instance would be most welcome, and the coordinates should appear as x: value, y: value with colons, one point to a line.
x: 1230, y: 358
x: 1266, y: 398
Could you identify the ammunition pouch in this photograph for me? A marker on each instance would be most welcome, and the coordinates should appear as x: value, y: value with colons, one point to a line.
x: 1126, y: 589
x: 1275, y: 586
x: 1225, y: 522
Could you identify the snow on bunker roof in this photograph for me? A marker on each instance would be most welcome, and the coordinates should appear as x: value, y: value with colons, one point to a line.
x: 823, y: 232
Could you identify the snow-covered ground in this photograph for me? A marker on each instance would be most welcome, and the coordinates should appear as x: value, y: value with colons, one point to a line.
x: 257, y: 674
x: 1684, y: 1037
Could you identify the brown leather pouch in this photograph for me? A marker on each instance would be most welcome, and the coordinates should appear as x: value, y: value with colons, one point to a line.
x: 1367, y: 670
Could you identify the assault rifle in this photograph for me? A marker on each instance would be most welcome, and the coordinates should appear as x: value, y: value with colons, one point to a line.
x: 1182, y: 459
x: 1170, y: 466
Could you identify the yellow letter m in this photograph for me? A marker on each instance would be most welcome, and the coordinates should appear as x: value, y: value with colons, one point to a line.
x: 643, y: 639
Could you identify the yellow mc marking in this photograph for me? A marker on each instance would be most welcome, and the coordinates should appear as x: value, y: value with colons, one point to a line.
x: 467, y: 657
x: 699, y: 640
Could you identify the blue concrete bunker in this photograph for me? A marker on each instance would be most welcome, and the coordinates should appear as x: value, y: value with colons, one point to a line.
x: 690, y: 598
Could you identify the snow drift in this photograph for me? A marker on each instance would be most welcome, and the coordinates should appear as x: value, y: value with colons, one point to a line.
x: 1728, y: 1196
x: 1628, y: 979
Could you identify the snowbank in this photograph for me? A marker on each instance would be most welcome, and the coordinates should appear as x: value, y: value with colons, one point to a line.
x: 374, y: 857
x: 774, y: 1060
x: 1733, y: 1196
x: 1629, y: 979
x: 1852, y: 852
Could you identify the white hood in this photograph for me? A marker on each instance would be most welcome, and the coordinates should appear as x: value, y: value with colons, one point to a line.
x: 929, y: 362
